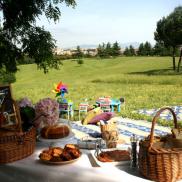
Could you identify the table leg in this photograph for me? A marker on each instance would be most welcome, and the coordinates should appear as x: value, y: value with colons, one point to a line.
x: 71, y: 111
x: 119, y: 107
x: 112, y: 108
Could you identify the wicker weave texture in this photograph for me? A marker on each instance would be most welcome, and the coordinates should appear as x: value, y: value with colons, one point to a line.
x: 162, y: 165
x: 108, y: 127
x: 17, y: 146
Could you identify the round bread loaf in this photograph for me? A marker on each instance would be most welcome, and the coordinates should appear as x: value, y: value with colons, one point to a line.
x: 55, y: 131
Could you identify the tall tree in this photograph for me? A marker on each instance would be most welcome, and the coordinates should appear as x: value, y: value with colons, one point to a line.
x: 108, y: 49
x: 141, y: 50
x: 116, y: 49
x: 126, y: 51
x: 148, y: 48
x: 132, y: 50
x: 129, y: 51
x: 180, y: 58
x: 79, y: 53
x: 19, y: 34
x: 169, y: 31
x: 101, y: 51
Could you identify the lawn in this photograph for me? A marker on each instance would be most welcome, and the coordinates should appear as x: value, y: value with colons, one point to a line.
x: 145, y: 82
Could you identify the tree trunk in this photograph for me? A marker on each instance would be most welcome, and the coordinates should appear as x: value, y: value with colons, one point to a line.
x: 174, y: 64
x: 180, y: 57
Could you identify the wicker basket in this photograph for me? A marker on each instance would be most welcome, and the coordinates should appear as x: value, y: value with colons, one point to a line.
x: 15, y: 144
x: 160, y: 163
x: 110, y: 134
x: 108, y: 127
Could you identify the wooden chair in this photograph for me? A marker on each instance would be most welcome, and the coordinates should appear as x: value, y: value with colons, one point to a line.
x: 83, y: 107
x: 65, y: 108
x: 105, y: 106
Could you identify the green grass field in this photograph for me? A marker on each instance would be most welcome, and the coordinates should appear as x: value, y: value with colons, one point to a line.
x: 145, y: 82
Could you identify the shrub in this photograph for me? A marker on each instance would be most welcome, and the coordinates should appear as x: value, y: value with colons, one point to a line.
x: 26, y: 60
x: 80, y: 61
x: 6, y: 78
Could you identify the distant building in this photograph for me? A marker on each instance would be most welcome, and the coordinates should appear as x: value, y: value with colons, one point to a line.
x: 136, y: 51
x: 92, y: 52
x: 59, y: 51
x: 122, y: 50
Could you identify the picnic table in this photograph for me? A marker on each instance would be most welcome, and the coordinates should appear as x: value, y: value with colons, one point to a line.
x: 31, y: 169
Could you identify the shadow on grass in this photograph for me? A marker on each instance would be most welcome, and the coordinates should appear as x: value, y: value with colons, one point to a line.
x: 168, y: 71
x: 144, y: 77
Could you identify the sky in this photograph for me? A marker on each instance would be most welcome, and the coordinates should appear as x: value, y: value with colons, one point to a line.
x: 93, y: 22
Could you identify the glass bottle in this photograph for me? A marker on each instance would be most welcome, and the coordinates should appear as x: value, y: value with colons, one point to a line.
x: 133, y: 141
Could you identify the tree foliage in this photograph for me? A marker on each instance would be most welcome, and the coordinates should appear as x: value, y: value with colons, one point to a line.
x: 132, y: 50
x: 148, y: 48
x: 108, y: 50
x: 6, y: 78
x: 169, y: 31
x: 126, y: 51
x: 145, y: 49
x: 116, y: 49
x: 141, y: 50
x: 129, y: 51
x: 20, y: 36
x: 101, y: 51
x: 78, y: 53
x: 160, y: 49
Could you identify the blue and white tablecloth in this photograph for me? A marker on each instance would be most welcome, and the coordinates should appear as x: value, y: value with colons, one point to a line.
x: 126, y: 128
x: 165, y: 115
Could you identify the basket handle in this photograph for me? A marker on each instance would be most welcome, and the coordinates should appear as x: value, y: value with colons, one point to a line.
x: 155, y: 120
x: 17, y: 115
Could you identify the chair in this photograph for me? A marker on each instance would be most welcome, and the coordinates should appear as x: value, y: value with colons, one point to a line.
x: 65, y: 108
x: 83, y: 107
x: 105, y: 106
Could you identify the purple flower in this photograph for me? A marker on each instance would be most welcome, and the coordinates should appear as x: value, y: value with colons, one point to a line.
x: 25, y: 102
x: 49, y: 109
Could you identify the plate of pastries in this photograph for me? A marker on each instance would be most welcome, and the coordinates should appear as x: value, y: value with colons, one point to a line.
x: 56, y: 133
x: 57, y: 155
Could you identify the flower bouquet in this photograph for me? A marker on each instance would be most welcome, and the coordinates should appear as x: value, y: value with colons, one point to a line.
x: 47, y: 112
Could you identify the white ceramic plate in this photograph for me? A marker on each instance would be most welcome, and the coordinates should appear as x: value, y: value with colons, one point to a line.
x: 69, y: 137
x: 60, y: 162
x: 118, y: 163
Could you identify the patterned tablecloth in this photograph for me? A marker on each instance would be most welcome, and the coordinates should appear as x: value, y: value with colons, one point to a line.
x: 166, y: 115
x: 126, y: 128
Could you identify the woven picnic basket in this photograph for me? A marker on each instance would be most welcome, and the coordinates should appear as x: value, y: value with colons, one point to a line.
x: 15, y: 144
x: 108, y: 127
x: 109, y: 133
x: 163, y: 164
